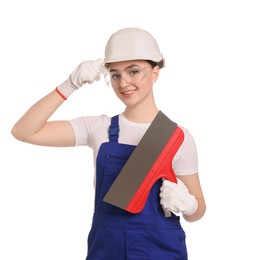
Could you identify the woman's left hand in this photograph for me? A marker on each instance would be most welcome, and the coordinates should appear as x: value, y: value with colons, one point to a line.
x: 175, y: 197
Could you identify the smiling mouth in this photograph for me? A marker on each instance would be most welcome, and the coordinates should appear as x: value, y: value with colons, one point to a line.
x: 128, y: 92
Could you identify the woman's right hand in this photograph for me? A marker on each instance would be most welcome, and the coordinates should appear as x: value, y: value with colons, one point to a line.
x: 86, y: 72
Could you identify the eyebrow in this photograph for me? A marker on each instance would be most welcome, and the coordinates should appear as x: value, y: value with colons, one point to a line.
x: 128, y: 67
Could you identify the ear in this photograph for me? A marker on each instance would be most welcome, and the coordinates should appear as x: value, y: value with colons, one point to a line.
x: 155, y: 74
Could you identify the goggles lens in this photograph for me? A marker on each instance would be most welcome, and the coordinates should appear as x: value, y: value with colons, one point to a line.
x: 132, y: 75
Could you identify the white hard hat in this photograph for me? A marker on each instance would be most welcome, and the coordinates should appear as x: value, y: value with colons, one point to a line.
x: 133, y: 44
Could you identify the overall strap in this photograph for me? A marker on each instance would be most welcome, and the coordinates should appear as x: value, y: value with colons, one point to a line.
x: 114, y: 130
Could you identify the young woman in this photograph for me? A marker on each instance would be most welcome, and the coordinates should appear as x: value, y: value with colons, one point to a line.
x: 131, y: 66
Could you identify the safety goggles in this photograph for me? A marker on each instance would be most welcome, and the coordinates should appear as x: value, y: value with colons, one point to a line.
x: 131, y: 75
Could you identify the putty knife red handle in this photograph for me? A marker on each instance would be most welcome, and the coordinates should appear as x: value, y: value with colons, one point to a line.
x: 162, y: 168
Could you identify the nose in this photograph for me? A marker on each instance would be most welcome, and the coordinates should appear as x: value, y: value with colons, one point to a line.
x: 123, y: 82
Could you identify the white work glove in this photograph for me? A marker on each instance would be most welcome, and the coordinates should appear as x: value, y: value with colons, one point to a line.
x: 86, y: 72
x: 175, y: 197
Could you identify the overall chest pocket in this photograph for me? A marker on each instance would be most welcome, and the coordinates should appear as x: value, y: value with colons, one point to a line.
x: 112, y: 167
x: 110, y: 170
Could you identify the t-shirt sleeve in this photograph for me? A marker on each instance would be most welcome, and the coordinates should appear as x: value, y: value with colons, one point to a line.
x: 185, y: 161
x: 83, y: 128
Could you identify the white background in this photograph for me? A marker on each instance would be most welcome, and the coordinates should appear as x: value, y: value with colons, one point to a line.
x: 208, y: 86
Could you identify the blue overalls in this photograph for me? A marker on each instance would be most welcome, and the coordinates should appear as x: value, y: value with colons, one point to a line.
x: 119, y: 235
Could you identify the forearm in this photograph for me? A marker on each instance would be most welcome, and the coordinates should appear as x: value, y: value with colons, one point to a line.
x: 36, y: 117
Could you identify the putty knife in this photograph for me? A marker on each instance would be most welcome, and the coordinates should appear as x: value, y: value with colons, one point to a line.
x: 151, y: 160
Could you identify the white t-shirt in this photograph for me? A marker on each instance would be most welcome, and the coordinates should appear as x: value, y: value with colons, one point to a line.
x: 92, y: 131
